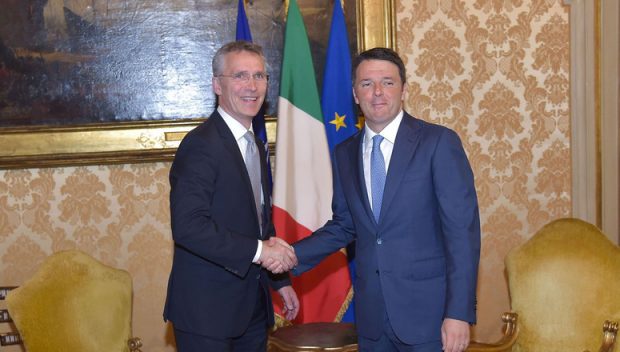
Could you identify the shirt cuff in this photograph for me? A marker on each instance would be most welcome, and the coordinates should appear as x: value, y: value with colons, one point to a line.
x: 259, y: 250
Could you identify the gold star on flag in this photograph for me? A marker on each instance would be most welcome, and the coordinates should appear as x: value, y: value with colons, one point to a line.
x: 338, y: 121
x: 360, y: 122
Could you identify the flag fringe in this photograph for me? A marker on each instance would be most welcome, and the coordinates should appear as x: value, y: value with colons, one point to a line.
x: 345, y: 305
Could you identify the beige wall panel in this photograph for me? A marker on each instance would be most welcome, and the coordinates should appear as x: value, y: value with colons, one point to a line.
x: 117, y: 213
x: 498, y: 73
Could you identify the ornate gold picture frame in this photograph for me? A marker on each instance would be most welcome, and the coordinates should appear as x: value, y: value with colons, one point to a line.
x: 147, y: 141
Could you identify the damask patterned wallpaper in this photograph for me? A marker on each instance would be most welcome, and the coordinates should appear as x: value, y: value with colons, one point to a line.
x: 496, y: 71
x: 119, y: 214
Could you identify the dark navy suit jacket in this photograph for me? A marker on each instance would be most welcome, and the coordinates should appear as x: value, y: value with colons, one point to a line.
x: 213, y: 285
x: 419, y: 263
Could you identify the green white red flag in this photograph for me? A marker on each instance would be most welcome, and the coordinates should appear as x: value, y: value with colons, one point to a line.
x: 303, y: 177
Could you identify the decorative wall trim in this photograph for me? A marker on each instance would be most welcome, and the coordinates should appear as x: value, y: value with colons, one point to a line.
x: 594, y: 112
x: 92, y: 144
x: 610, y: 116
x: 583, y: 123
x: 376, y: 24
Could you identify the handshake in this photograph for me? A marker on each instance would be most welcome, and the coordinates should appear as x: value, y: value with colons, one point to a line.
x: 277, y: 256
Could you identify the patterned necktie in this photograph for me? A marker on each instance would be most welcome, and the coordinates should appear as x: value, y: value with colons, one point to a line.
x: 377, y: 175
x: 252, y: 163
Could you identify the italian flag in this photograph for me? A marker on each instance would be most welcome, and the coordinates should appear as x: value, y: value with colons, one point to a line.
x: 303, y: 178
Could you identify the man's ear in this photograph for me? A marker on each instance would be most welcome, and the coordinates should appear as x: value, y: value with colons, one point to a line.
x: 217, y: 88
x: 355, y: 97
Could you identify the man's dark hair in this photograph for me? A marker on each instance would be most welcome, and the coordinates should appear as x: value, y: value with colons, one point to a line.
x: 238, y: 46
x: 384, y: 54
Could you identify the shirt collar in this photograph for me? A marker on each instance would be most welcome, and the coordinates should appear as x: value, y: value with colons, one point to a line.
x: 388, y: 133
x: 237, y: 129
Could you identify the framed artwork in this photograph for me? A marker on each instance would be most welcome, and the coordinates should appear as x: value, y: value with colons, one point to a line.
x: 116, y: 81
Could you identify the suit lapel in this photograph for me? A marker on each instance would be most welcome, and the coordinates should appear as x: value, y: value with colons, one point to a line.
x: 229, y: 142
x: 407, y: 140
x: 355, y: 154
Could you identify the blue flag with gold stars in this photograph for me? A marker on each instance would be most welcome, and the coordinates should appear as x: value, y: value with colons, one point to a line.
x: 339, y: 116
x: 337, y: 100
x: 243, y: 27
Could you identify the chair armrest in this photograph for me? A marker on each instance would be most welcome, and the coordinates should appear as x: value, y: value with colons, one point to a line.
x: 610, y: 330
x: 134, y: 344
x: 510, y: 332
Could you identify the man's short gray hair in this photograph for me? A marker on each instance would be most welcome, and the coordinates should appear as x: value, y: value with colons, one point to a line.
x: 238, y: 46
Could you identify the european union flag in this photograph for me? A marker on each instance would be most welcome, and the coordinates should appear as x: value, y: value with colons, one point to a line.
x: 337, y: 100
x: 258, y: 124
x: 243, y: 27
x: 337, y: 103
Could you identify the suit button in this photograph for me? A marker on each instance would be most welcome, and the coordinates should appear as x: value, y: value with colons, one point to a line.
x: 379, y: 241
x: 257, y: 276
x: 377, y: 271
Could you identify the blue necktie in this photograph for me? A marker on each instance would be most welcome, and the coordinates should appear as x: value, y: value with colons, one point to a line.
x: 377, y: 175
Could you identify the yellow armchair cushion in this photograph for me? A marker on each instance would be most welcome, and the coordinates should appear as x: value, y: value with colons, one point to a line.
x: 564, y: 283
x: 73, y: 303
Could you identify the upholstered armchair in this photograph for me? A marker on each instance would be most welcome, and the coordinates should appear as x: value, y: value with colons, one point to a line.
x: 564, y: 287
x: 74, y: 303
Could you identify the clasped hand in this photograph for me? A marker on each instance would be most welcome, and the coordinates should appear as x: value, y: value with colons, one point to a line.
x: 277, y: 256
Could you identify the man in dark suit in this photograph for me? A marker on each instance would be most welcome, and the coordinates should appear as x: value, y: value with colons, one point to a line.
x: 404, y: 192
x: 218, y: 297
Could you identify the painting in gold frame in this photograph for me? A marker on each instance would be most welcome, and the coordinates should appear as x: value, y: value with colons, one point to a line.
x: 150, y: 140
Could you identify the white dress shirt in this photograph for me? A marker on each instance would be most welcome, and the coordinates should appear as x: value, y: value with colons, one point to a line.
x: 387, y: 146
x: 238, y: 131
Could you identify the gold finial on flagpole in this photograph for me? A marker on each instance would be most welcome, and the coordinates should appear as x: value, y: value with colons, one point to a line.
x: 286, y: 3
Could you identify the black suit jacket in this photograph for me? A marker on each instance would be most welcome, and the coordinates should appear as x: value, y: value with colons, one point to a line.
x: 213, y: 284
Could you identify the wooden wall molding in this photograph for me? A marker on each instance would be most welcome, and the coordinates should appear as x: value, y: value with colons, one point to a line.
x: 594, y: 112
